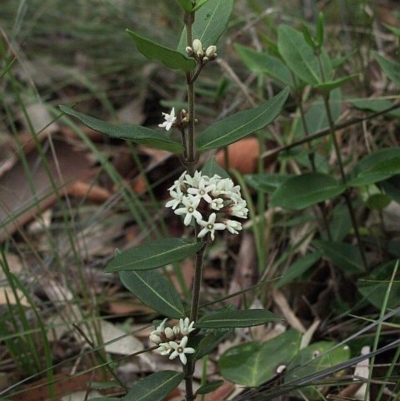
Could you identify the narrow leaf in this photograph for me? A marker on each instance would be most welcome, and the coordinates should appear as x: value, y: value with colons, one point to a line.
x: 199, y: 4
x: 241, y: 124
x: 306, y: 190
x: 209, y: 387
x: 263, y: 63
x: 300, y: 58
x: 154, y: 290
x: 376, y: 167
x: 390, y: 67
x: 210, y: 22
x: 298, y: 268
x: 155, y: 387
x: 234, y: 319
x: 134, y: 133
x: 154, y: 254
x: 169, y: 57
x: 345, y: 256
x: 266, y: 182
x: 337, y: 83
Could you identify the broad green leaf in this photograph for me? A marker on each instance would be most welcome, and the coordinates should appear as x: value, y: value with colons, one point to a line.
x: 169, y: 57
x: 298, y: 268
x: 306, y: 190
x: 390, y: 67
x: 311, y: 360
x: 155, y: 291
x: 233, y: 128
x: 263, y: 63
x: 345, y: 256
x: 210, y: 23
x: 234, y: 319
x: 266, y: 182
x: 135, y: 133
x: 254, y: 363
x: 300, y: 58
x: 376, y: 167
x: 155, y: 387
x: 154, y: 254
x: 186, y: 5
x: 209, y: 387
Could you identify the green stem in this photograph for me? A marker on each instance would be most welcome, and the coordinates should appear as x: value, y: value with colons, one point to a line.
x: 344, y: 181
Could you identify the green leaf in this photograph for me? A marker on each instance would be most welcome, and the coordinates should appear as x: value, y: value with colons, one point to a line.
x: 199, y: 3
x: 210, y: 23
x: 254, y: 363
x: 298, y: 268
x: 154, y: 254
x: 154, y: 290
x: 186, y: 5
x: 235, y: 319
x: 169, y: 57
x: 331, y: 85
x: 345, y: 256
x: 263, y: 63
x: 241, y: 124
x: 211, y: 167
x: 376, y: 105
x: 377, y: 166
x: 135, y: 133
x: 375, y: 287
x: 266, y: 182
x: 306, y: 190
x: 300, y: 58
x: 316, y: 118
x: 209, y: 387
x: 155, y: 387
x: 390, y: 67
x: 209, y: 342
x: 311, y: 360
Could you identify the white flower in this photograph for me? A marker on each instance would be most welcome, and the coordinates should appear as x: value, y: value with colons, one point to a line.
x: 180, y: 349
x: 164, y: 348
x: 195, y: 180
x: 239, y: 210
x: 217, y: 204
x: 210, y: 226
x: 177, y: 196
x: 169, y: 120
x: 185, y: 327
x: 202, y: 191
x: 155, y: 335
x: 233, y: 226
x: 189, y: 209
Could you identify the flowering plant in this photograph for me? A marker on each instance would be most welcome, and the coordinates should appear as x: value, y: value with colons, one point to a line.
x: 208, y: 202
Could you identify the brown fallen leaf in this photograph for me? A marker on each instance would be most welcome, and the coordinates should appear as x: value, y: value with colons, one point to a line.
x: 21, y: 201
x: 242, y: 155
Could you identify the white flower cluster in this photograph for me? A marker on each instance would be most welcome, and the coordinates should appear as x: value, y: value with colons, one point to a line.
x: 198, y: 52
x: 209, y: 201
x: 173, y: 341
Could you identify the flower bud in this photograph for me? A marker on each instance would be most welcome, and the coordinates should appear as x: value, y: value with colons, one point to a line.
x: 198, y: 47
x: 189, y: 51
x: 211, y: 51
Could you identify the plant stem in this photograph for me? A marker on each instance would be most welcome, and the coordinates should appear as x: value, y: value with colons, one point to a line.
x: 344, y: 181
x: 190, y: 144
x: 198, y: 274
